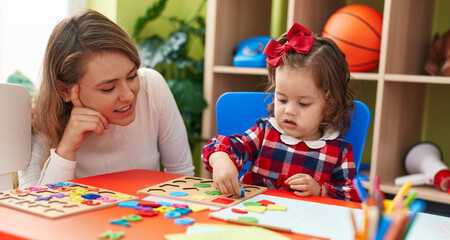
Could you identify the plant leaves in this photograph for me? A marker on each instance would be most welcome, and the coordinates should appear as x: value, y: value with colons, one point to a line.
x: 152, y: 13
x: 154, y: 50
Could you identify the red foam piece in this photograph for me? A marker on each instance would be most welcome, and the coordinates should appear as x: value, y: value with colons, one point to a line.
x: 265, y: 202
x: 222, y: 200
x: 235, y: 210
x: 147, y: 213
x: 149, y: 204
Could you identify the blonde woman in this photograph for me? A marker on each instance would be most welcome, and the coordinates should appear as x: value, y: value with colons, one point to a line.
x: 96, y: 112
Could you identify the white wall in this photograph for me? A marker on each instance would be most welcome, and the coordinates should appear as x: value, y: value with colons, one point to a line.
x: 25, y: 26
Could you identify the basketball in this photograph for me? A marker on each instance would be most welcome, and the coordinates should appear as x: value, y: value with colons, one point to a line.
x: 356, y: 29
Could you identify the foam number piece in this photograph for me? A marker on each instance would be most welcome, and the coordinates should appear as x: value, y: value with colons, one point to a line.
x: 133, y: 218
x: 90, y: 203
x: 147, y: 213
x: 75, y: 198
x: 91, y: 196
x: 184, y: 221
x: 172, y: 214
x: 122, y: 222
x: 107, y: 199
x: 111, y: 235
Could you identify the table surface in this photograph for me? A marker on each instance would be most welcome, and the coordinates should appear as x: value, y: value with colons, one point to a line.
x: 16, y: 224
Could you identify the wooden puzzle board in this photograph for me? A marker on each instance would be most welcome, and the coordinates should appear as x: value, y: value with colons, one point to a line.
x: 199, y: 194
x: 61, y: 199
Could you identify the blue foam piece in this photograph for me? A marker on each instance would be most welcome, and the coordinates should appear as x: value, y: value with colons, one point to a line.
x: 184, y: 221
x: 130, y: 204
x: 178, y: 194
x: 122, y: 222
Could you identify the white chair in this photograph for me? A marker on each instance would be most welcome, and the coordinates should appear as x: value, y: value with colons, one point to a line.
x: 15, y: 131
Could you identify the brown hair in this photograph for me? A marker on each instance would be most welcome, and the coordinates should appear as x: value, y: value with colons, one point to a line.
x: 71, y: 43
x: 327, y: 62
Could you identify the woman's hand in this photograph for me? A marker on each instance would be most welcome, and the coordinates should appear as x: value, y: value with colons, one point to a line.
x: 304, y: 185
x: 82, y: 122
x: 225, y: 173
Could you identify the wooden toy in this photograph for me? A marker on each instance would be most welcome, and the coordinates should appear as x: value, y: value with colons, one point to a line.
x: 61, y: 199
x: 200, y: 190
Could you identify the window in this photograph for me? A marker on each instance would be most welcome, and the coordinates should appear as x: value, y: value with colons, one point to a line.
x: 25, y: 26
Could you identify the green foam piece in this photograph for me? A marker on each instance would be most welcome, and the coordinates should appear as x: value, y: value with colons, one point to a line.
x: 213, y: 192
x: 252, y: 204
x: 202, y: 185
x: 248, y: 219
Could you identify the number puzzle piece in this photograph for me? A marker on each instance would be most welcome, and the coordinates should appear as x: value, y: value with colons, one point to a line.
x: 172, y: 214
x: 147, y: 213
x: 184, y: 221
x: 122, y: 222
x: 111, y: 235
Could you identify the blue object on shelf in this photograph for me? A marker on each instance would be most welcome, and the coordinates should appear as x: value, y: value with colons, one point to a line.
x: 249, y: 52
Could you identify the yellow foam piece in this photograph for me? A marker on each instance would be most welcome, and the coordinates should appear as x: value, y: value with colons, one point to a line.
x: 200, y: 197
x: 275, y: 207
x: 197, y: 208
x: 256, y: 209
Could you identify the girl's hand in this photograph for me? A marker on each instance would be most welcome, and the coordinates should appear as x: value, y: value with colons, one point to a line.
x: 304, y: 184
x: 225, y: 173
x: 82, y: 122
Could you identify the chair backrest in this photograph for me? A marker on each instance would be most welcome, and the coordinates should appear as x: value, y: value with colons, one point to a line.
x: 238, y: 111
x: 15, y: 131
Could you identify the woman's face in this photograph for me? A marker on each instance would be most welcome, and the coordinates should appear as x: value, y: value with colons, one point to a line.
x: 110, y: 86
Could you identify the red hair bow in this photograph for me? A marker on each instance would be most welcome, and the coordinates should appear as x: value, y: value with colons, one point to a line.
x: 298, y: 38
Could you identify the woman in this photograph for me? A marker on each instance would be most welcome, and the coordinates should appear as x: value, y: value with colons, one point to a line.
x: 91, y: 83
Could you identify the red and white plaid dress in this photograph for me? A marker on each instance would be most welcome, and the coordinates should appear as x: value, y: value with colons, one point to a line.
x: 328, y: 160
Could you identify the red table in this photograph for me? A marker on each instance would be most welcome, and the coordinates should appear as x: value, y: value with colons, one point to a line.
x: 16, y: 224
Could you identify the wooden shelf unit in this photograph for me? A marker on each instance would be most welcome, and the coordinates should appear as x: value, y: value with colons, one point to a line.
x: 400, y: 86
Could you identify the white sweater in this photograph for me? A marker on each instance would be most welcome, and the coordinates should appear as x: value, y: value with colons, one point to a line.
x: 157, y: 129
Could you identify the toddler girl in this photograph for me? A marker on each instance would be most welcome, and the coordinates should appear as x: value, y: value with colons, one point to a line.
x: 299, y: 147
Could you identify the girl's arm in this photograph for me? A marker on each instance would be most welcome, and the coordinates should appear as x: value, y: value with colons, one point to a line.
x: 341, y: 185
x: 239, y: 147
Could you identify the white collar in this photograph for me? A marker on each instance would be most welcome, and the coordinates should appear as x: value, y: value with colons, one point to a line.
x: 329, y: 134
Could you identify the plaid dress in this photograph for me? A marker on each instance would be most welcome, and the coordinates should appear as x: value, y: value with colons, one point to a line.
x: 329, y: 161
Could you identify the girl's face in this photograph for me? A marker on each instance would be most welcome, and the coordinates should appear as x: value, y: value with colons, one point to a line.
x: 299, y: 104
x: 110, y: 86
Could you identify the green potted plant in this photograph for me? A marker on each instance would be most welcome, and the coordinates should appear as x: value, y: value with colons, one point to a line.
x: 183, y: 74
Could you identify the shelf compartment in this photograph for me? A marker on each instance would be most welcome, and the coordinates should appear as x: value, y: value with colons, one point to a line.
x: 409, y: 36
x: 429, y: 193
x: 417, y: 78
x: 240, y: 70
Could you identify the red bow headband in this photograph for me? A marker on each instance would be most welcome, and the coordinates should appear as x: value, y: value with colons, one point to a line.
x: 298, y: 38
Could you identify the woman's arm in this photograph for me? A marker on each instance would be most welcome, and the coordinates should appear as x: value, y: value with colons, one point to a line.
x: 56, y: 169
